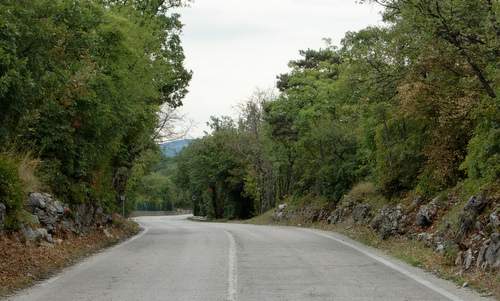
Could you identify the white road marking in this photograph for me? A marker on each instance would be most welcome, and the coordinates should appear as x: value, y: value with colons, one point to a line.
x: 232, y: 289
x: 391, y: 265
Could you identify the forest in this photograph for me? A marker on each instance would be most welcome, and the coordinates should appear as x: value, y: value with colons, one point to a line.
x: 86, y: 91
x: 410, y: 107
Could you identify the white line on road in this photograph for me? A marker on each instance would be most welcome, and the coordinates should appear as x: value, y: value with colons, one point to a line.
x: 232, y: 289
x: 392, y: 266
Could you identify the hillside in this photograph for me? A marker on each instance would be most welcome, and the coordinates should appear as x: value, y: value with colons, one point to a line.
x: 172, y: 148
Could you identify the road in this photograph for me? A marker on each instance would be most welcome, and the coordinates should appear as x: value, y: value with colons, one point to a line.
x: 177, y: 259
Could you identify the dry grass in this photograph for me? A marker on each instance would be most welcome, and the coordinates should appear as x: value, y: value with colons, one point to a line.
x: 23, y: 264
x: 27, y: 173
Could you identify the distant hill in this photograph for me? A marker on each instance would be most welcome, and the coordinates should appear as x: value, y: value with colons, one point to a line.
x: 173, y: 148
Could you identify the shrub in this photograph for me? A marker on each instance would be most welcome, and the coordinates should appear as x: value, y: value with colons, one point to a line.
x: 483, y: 159
x: 11, y: 191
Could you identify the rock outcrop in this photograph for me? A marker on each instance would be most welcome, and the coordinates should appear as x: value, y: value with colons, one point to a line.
x: 390, y: 220
x: 489, y: 255
x: 468, y: 217
x: 51, y: 217
x: 426, y: 214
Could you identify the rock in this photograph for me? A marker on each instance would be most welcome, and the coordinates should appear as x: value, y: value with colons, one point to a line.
x: 440, y: 248
x: 46, y: 218
x: 47, y: 210
x: 336, y: 216
x: 279, y: 213
x: 67, y: 226
x: 3, y: 213
x: 361, y: 213
x: 476, y: 204
x: 468, y: 217
x: 38, y: 200
x: 426, y: 214
x: 468, y: 259
x: 55, y: 207
x: 49, y: 238
x: 491, y: 253
x: 107, y: 234
x: 42, y: 233
x: 494, y: 219
x: 29, y: 234
x: 389, y: 221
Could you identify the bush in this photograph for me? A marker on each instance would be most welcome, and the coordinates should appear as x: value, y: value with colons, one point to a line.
x: 11, y: 190
x: 483, y: 159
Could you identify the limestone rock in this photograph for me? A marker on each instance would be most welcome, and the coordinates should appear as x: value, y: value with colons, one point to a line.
x: 426, y: 214
x: 389, y: 221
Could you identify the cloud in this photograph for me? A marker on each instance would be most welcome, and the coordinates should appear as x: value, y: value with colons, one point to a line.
x: 234, y: 46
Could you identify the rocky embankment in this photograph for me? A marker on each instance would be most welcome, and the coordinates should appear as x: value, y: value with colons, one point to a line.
x: 466, y: 235
x: 52, y: 236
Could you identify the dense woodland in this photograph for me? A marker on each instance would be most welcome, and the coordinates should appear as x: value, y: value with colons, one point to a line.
x: 86, y: 88
x: 410, y: 107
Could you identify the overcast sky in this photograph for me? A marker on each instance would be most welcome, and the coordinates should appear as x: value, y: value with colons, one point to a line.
x: 236, y: 46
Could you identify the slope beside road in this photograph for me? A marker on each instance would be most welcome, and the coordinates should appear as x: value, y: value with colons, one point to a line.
x: 177, y: 259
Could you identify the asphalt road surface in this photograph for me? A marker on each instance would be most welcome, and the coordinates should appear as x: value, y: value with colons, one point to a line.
x: 177, y: 259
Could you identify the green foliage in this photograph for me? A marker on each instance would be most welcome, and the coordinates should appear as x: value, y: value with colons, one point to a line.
x: 483, y: 159
x: 11, y: 190
x: 410, y: 106
x: 82, y: 85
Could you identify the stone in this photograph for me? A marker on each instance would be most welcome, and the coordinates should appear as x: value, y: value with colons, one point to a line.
x: 29, y: 234
x: 336, y: 216
x: 492, y: 252
x: 426, y: 214
x: 494, y: 219
x: 389, y: 221
x: 440, y: 248
x: 38, y: 200
x: 361, y: 213
x: 468, y: 259
x: 468, y: 217
x: 3, y: 214
x: 49, y: 238
x: 279, y: 213
x: 476, y: 204
x: 42, y: 233
x: 107, y: 234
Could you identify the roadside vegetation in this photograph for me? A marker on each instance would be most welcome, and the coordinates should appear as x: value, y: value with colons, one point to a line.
x: 410, y: 107
x: 394, y: 132
x: 86, y: 90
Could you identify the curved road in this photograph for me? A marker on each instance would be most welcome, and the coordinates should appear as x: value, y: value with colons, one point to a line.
x: 177, y: 259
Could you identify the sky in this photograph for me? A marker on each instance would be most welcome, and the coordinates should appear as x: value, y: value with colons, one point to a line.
x: 234, y: 47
